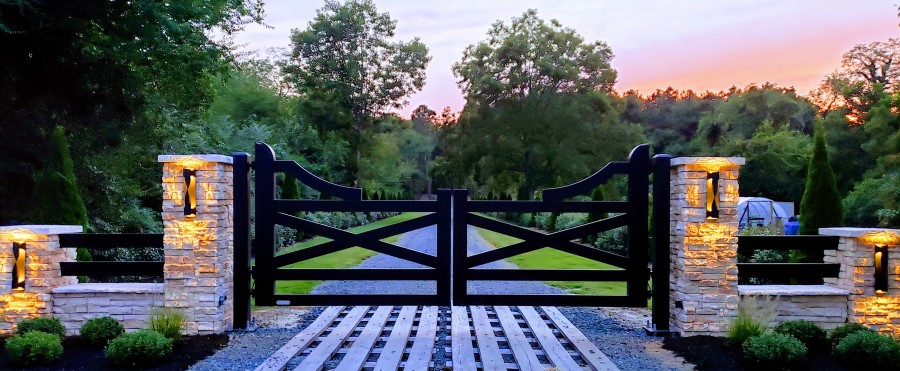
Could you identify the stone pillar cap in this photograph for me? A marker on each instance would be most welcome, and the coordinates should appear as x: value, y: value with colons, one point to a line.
x: 195, y: 158
x: 708, y: 160
x: 41, y: 229
x: 857, y: 232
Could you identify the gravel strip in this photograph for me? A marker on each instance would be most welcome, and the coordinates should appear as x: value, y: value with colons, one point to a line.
x: 248, y: 349
x: 624, y: 342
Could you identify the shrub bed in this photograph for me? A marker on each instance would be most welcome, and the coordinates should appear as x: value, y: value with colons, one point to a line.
x: 79, y: 356
x: 34, y: 348
x: 139, y: 349
x: 869, y: 350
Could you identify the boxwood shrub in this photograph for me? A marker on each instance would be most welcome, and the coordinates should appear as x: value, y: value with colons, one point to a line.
x: 99, y: 331
x: 139, y: 349
x: 43, y: 324
x: 869, y: 350
x: 774, y: 350
x: 840, y: 332
x: 34, y: 348
x: 808, y: 332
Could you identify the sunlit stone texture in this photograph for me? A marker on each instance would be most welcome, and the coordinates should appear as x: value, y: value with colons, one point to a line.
x: 42, y: 275
x: 198, y: 248
x: 856, y: 254
x: 703, y: 276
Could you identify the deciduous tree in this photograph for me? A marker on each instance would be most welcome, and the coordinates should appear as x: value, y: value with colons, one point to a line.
x: 866, y: 70
x: 350, y: 69
x: 531, y: 56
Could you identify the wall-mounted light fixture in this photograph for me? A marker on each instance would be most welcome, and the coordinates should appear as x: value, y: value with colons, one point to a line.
x: 18, y: 271
x: 190, y: 193
x: 712, y: 195
x: 881, y: 269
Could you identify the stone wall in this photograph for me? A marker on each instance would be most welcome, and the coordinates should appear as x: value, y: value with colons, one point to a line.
x: 703, y: 270
x: 824, y: 305
x: 42, y: 275
x: 130, y: 303
x: 197, y: 270
x: 199, y: 249
x: 856, y: 254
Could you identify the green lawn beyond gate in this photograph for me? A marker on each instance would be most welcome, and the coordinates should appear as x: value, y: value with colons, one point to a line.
x: 548, y: 258
x: 545, y: 258
x: 342, y: 259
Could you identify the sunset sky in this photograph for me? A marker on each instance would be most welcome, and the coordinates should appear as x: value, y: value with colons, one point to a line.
x: 700, y: 45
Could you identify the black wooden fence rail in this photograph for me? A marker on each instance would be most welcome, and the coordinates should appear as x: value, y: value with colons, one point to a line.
x: 784, y: 272
x: 110, y: 241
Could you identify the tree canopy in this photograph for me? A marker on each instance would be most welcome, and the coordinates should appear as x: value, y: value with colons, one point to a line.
x: 346, y: 58
x: 532, y: 56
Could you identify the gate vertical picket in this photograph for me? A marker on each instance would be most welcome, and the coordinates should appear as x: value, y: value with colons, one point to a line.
x: 459, y: 246
x: 241, y: 239
x: 638, y: 256
x: 662, y: 249
x: 264, y: 279
x: 444, y: 247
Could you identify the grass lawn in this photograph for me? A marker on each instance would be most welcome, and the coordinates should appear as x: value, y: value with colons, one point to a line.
x: 342, y: 259
x: 547, y: 258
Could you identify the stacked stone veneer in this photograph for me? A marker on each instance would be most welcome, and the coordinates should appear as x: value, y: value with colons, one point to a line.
x: 198, y: 249
x: 130, y: 303
x: 42, y: 275
x: 703, y: 278
x: 856, y: 254
x: 197, y: 269
x: 824, y: 305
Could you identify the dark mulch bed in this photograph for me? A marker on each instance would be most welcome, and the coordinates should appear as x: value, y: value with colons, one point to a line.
x: 78, y: 356
x: 713, y: 353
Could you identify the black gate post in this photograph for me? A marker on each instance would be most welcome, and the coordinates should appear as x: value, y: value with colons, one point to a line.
x: 444, y: 247
x: 460, y: 225
x: 638, y: 246
x: 241, y: 259
x: 661, y: 250
x: 264, y: 279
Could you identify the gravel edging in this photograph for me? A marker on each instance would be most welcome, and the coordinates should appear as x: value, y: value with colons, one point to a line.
x: 248, y: 349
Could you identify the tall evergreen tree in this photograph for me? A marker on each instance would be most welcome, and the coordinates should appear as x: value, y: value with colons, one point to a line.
x: 56, y: 199
x: 821, y: 204
x: 522, y: 193
x: 596, y: 195
x: 289, y: 188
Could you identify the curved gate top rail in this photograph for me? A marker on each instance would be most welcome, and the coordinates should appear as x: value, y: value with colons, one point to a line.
x: 451, y: 267
x: 632, y: 214
x: 271, y: 211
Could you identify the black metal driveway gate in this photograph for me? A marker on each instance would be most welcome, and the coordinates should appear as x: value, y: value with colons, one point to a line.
x: 452, y: 212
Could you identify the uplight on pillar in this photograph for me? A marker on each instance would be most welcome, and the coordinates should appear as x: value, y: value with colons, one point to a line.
x: 18, y: 271
x: 190, y: 193
x: 712, y: 195
x: 881, y: 269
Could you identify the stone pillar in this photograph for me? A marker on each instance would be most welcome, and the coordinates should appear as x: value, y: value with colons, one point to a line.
x: 198, y: 269
x: 703, y: 271
x: 42, y: 274
x: 856, y: 255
